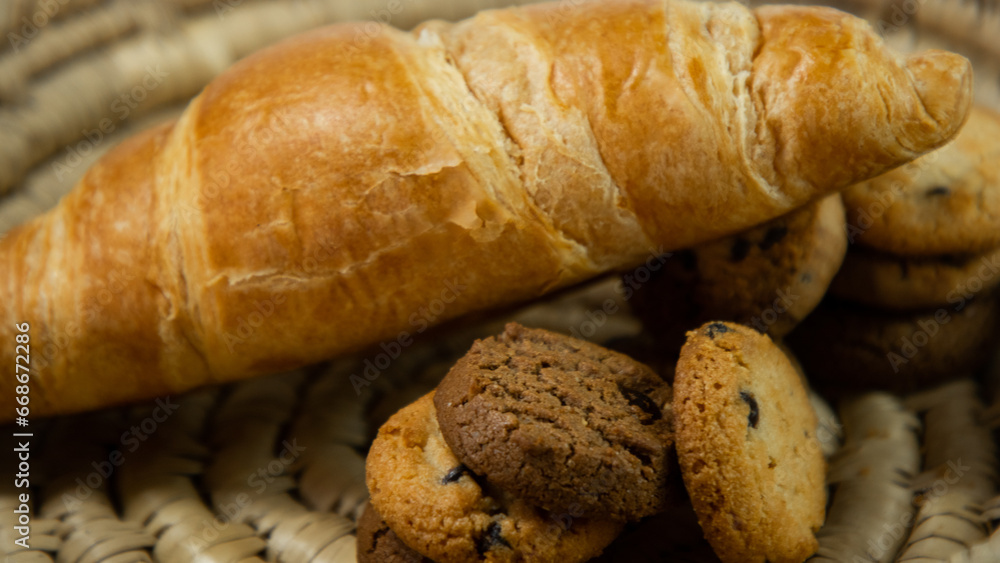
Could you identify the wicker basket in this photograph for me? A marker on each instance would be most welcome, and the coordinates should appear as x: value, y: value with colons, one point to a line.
x: 273, y: 468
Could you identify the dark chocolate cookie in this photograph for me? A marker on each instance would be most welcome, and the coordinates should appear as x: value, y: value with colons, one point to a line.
x: 377, y: 543
x: 563, y: 423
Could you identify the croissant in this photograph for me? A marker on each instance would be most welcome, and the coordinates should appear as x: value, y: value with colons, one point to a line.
x: 359, y: 184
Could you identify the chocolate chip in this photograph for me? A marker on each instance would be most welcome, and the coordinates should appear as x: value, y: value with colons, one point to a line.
x: 740, y: 250
x: 754, y: 413
x: 455, y: 474
x: 938, y: 190
x: 772, y: 237
x: 717, y: 328
x: 642, y: 400
x: 491, y: 539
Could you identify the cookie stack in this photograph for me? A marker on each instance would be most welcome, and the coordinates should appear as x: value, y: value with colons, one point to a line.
x: 913, y: 303
x: 534, y: 447
x: 541, y: 447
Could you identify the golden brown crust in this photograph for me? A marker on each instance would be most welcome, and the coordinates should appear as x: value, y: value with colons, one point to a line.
x: 81, y: 279
x: 321, y: 193
x: 811, y: 58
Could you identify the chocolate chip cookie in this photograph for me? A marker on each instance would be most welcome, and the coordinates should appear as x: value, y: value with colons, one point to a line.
x: 910, y: 283
x: 377, y: 543
x: 747, y: 446
x: 946, y: 202
x: 769, y: 277
x: 443, y: 511
x: 565, y: 424
x: 846, y: 347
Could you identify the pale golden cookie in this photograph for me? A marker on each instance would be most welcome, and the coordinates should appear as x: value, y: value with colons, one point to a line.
x: 746, y: 441
x: 946, y: 202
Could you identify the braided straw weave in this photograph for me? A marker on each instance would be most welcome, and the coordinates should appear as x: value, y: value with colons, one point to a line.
x: 272, y: 469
